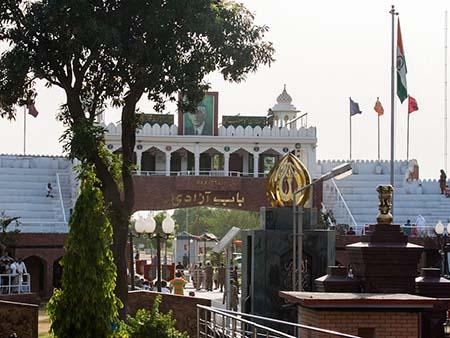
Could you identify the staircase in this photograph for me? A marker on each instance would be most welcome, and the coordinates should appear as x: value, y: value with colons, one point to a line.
x: 23, y: 181
x: 361, y: 198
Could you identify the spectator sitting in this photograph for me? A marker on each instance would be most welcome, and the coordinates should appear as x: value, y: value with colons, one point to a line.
x: 164, y: 288
x: 407, y: 228
x: 447, y: 191
x: 49, y: 190
x: 179, y: 266
x: 146, y: 285
x: 351, y: 232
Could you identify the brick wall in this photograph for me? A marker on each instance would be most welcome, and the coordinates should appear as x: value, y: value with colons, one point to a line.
x: 382, y: 324
x: 184, y: 308
x: 19, y: 318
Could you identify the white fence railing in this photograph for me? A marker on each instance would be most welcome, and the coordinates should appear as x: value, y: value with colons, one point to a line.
x: 214, y: 322
x: 58, y: 182
x: 334, y: 201
x: 15, y: 283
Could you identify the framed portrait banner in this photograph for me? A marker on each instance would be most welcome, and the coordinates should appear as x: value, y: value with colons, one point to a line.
x: 203, y: 121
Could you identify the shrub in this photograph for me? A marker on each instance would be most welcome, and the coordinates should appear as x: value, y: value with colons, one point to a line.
x: 86, y: 306
x: 153, y: 324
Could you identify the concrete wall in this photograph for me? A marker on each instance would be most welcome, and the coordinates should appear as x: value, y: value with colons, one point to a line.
x: 367, y: 323
x: 184, y: 308
x: 19, y: 318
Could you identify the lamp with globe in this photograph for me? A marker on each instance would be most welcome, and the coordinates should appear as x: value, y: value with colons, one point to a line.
x: 148, y: 226
x: 442, y: 234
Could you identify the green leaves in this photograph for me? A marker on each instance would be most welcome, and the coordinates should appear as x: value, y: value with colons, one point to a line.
x: 153, y: 324
x: 86, y: 306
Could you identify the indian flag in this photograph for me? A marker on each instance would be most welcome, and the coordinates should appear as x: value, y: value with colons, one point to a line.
x: 402, y: 91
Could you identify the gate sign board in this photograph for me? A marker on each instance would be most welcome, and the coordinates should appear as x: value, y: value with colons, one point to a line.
x: 172, y: 192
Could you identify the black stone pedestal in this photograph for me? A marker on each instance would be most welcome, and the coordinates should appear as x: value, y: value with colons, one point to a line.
x: 385, y: 262
x: 267, y: 260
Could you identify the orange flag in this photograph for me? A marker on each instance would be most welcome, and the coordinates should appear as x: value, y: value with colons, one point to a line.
x: 379, y: 107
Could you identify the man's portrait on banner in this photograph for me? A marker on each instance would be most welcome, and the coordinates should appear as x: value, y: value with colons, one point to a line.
x: 200, y: 122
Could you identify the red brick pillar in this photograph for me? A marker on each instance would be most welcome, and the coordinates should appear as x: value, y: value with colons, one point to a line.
x: 48, y: 281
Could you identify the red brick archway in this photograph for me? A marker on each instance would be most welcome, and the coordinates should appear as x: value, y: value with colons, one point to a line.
x: 172, y: 192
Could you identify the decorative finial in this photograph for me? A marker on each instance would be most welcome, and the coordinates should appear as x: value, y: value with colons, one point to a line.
x: 287, y: 176
x: 385, y: 196
x: 285, y: 86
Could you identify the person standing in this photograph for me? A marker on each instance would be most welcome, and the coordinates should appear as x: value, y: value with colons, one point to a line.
x: 196, y: 277
x: 442, y: 181
x: 221, y: 276
x: 21, y: 270
x: 235, y: 276
x: 208, y: 277
x: 201, y: 277
x: 234, y: 296
x: 177, y: 284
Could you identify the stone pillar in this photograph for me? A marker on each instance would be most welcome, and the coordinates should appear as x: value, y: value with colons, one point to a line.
x: 313, y: 161
x: 184, y: 163
x: 245, y: 163
x: 226, y: 163
x: 138, y: 161
x: 255, y: 164
x: 197, y: 160
x: 168, y: 157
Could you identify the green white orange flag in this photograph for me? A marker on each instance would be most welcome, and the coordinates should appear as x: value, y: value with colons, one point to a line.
x: 402, y: 91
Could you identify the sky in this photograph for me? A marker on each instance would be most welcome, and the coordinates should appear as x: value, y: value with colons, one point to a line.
x: 326, y: 52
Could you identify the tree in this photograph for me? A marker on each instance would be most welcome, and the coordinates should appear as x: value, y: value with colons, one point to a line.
x: 116, y: 52
x: 215, y: 220
x: 8, y: 237
x: 86, y: 306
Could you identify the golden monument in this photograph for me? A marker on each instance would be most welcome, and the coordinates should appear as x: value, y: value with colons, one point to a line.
x: 288, y: 175
x: 385, y: 206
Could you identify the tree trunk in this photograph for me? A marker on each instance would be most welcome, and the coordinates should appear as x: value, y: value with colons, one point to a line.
x: 120, y: 236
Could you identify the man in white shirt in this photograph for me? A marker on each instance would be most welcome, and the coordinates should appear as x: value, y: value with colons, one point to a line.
x: 420, y: 223
x: 23, y: 280
x: 14, y: 281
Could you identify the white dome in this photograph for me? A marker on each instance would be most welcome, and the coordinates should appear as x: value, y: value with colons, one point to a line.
x: 284, y: 103
x: 284, y: 97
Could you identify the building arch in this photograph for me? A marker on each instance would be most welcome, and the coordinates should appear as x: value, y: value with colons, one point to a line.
x: 37, y: 268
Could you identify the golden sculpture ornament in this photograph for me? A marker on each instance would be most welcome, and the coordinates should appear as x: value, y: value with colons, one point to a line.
x: 288, y: 175
x: 385, y: 206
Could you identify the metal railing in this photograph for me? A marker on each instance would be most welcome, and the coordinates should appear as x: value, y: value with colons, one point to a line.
x: 15, y: 283
x: 336, y: 203
x: 214, y: 323
x: 61, y: 198
x: 213, y: 173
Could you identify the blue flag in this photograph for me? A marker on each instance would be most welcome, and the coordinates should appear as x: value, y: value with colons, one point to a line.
x: 354, y: 108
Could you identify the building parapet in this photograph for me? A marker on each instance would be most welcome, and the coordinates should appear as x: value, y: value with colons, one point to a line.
x: 240, y: 131
x: 366, y: 166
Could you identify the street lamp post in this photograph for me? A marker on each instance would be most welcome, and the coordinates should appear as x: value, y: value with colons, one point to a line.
x: 447, y: 325
x: 148, y: 225
x: 338, y: 173
x: 441, y: 234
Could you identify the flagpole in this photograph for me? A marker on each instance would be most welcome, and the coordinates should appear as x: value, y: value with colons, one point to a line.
x: 445, y: 94
x: 393, y: 13
x: 378, y: 137
x: 350, y: 116
x: 407, y: 139
x: 24, y: 129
